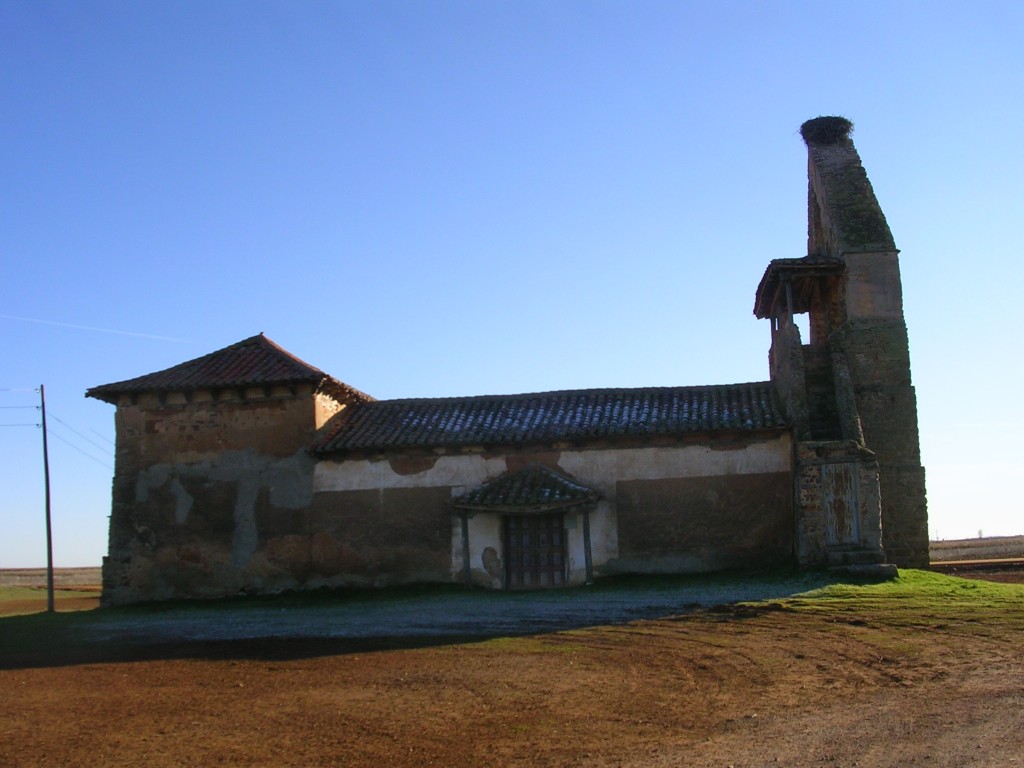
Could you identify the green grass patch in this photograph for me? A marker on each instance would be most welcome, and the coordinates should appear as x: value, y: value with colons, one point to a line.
x: 917, y: 598
x: 922, y: 589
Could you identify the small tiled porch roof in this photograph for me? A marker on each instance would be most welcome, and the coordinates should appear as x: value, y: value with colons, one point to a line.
x: 532, y: 489
x: 799, y: 273
x: 256, y: 361
x: 544, y: 417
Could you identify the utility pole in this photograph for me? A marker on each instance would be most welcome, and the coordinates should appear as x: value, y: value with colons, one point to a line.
x: 49, y: 534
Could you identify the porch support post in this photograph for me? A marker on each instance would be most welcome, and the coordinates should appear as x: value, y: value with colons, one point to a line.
x: 587, y: 557
x: 789, y: 301
x: 464, y: 520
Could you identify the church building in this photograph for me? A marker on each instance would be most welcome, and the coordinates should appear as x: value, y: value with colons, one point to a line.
x: 248, y: 470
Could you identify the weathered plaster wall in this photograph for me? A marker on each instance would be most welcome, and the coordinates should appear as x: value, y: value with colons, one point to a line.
x: 485, y: 550
x: 698, y: 524
x: 325, y: 407
x: 205, y: 489
x: 446, y: 477
x: 152, y: 431
x: 203, y: 528
x: 723, y: 501
x: 212, y: 499
x: 378, y: 536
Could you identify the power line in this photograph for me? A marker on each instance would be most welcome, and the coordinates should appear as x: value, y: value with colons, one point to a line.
x: 56, y: 418
x: 90, y: 442
x: 102, y: 437
x: 93, y: 328
x: 72, y: 445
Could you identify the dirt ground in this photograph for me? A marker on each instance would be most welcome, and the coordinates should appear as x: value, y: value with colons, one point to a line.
x: 728, y: 687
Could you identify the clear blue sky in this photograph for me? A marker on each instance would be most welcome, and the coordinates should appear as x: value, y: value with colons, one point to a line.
x: 451, y: 198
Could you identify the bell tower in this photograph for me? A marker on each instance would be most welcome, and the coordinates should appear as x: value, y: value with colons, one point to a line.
x: 848, y: 389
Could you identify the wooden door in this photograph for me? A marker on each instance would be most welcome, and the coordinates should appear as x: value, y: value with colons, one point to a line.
x: 534, y: 551
x: 839, y: 487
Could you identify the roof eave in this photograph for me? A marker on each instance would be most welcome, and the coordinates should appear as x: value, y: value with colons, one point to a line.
x: 526, y: 509
x: 344, y: 453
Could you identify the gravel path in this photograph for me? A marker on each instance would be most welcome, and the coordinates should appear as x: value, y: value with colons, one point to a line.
x: 443, y: 613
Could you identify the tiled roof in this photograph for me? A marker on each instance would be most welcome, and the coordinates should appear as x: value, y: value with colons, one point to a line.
x: 791, y: 269
x: 551, y: 416
x: 534, y: 488
x: 256, y: 361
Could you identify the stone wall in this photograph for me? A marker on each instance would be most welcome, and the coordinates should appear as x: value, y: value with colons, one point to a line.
x: 879, y: 363
x: 845, y: 221
x: 786, y: 359
x: 814, y: 498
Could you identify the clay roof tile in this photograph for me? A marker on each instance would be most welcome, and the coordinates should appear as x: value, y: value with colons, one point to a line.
x: 541, y: 417
x: 256, y: 361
